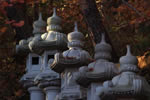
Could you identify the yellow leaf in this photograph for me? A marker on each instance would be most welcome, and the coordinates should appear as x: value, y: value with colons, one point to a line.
x: 43, y: 1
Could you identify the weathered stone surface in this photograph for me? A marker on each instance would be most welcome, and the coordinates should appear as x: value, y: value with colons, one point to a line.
x: 127, y: 84
x: 38, y: 29
x: 50, y: 40
x: 98, y: 71
x: 68, y: 62
x: 49, y: 43
x: 33, y: 61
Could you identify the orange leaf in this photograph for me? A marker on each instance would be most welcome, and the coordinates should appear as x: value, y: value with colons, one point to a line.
x: 19, y: 93
x: 3, y: 29
x: 43, y: 1
x: 19, y: 24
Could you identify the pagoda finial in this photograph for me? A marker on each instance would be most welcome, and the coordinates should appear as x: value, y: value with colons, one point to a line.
x: 40, y: 17
x: 128, y: 50
x: 103, y: 38
x: 103, y: 49
x: 128, y: 59
x: 39, y: 25
x: 75, y: 26
x: 54, y: 22
x: 54, y: 12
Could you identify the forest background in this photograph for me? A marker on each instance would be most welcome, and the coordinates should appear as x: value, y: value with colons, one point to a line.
x: 125, y: 21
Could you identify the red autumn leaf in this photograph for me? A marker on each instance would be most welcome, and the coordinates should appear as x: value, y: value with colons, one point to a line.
x: 20, y: 1
x: 140, y: 20
x: 9, y: 22
x: 148, y: 13
x: 2, y: 11
x: 10, y: 5
x: 32, y: 1
x: 4, y: 4
x: 13, y: 1
x: 91, y: 69
x: 19, y: 24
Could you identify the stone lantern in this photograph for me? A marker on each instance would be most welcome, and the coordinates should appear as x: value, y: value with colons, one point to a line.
x: 97, y: 72
x: 47, y: 45
x: 67, y: 64
x: 33, y: 61
x: 127, y: 85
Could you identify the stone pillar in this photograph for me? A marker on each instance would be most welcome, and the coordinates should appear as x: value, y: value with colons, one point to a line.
x: 47, y: 45
x: 33, y: 61
x: 68, y: 63
x: 51, y: 92
x: 93, y: 75
x: 36, y: 93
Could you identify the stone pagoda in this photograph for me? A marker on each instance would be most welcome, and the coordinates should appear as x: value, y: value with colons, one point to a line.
x: 33, y: 61
x: 47, y: 45
x: 127, y: 85
x: 97, y: 72
x: 68, y: 63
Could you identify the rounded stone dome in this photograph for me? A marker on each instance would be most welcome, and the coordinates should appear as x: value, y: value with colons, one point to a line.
x: 128, y: 58
x: 75, y: 35
x: 54, y: 19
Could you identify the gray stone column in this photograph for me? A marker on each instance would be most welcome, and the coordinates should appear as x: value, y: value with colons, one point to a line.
x: 33, y: 61
x: 93, y: 75
x: 68, y: 63
x: 51, y: 92
x: 36, y: 93
x: 51, y: 42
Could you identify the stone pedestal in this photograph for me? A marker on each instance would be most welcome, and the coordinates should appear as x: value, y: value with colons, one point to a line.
x: 51, y: 92
x: 36, y: 93
x: 126, y: 99
x: 92, y: 91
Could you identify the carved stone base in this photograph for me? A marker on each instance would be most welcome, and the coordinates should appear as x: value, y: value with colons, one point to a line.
x: 36, y: 93
x: 51, y: 92
x: 67, y: 94
x: 92, y: 91
x: 126, y: 99
x: 131, y: 98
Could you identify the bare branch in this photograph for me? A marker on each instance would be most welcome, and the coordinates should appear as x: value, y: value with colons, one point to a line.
x: 130, y: 6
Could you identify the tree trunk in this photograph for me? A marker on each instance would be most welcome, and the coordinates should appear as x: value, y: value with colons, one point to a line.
x: 94, y: 22
x: 16, y: 14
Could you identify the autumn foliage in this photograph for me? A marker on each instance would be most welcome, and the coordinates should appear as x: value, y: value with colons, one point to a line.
x: 126, y: 21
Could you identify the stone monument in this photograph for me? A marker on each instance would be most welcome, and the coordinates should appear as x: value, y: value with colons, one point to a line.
x: 47, y: 45
x: 68, y: 63
x: 33, y: 61
x: 127, y: 85
x: 97, y: 72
